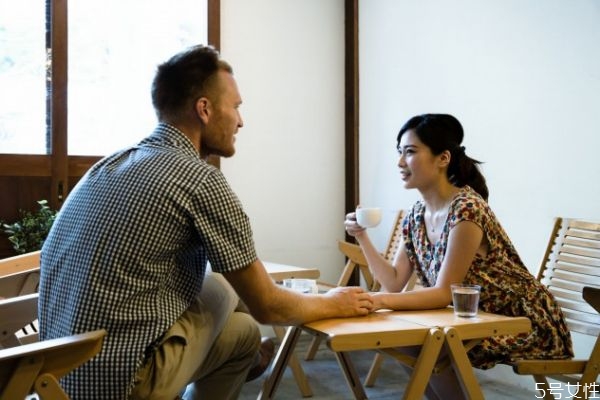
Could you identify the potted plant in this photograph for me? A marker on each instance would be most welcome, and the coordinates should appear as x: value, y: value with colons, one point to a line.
x: 28, y: 233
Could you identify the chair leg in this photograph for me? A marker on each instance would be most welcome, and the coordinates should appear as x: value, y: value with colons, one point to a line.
x: 23, y: 377
x: 295, y: 366
x: 346, y: 273
x: 374, y: 370
x: 48, y: 388
x: 313, y: 347
x: 285, y: 351
x: 350, y: 374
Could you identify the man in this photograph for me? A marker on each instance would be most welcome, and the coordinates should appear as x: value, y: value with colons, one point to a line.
x: 129, y: 252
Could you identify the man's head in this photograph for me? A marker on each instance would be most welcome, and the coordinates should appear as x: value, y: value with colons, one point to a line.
x: 196, y: 90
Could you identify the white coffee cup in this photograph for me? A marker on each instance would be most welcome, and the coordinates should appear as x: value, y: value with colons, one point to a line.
x: 368, y: 217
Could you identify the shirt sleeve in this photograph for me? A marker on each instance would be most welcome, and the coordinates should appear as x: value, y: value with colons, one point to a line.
x: 223, y: 226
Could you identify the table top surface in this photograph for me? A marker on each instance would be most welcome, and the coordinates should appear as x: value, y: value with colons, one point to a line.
x: 401, y: 328
x: 280, y: 272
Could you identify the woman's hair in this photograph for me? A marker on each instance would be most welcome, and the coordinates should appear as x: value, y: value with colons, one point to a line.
x: 442, y: 132
x: 183, y: 79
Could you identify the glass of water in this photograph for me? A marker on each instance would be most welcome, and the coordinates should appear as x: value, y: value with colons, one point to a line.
x: 465, y: 298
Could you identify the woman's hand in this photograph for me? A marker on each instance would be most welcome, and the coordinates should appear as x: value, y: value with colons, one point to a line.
x: 352, y: 227
x: 378, y: 301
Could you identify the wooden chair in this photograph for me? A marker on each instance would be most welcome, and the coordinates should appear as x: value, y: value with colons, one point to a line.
x: 19, y: 276
x: 17, y: 313
x: 27, y: 365
x: 20, y: 263
x: 20, y: 283
x: 37, y: 367
x: 571, y: 271
x: 357, y: 261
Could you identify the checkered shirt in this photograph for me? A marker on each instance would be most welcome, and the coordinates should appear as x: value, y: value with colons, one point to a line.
x: 128, y: 253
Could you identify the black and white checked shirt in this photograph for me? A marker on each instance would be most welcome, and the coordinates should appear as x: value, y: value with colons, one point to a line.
x: 128, y: 252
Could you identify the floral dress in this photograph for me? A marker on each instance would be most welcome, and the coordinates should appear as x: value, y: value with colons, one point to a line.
x: 507, y: 287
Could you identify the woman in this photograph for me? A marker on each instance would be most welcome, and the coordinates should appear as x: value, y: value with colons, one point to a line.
x: 452, y: 236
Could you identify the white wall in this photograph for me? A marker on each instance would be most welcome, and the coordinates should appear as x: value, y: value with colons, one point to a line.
x: 288, y: 171
x: 523, y: 76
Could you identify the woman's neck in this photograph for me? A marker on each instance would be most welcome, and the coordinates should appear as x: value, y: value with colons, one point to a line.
x: 440, y: 198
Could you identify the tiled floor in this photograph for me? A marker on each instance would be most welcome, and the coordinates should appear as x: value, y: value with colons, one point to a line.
x: 327, y: 381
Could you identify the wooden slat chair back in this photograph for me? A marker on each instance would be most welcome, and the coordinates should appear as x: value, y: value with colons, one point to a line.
x: 17, y: 313
x: 20, y: 276
x: 357, y: 261
x: 20, y: 283
x: 571, y: 263
x: 37, y: 367
x: 20, y: 263
x: 27, y: 365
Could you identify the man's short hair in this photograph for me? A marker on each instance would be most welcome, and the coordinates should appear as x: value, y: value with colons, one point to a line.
x: 183, y: 79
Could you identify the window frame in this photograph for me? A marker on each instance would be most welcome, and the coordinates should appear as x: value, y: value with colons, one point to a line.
x: 27, y: 178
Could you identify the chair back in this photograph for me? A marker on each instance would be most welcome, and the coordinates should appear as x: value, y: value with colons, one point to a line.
x: 393, y: 242
x: 20, y: 283
x: 20, y: 263
x: 19, y: 278
x: 16, y: 313
x: 571, y: 262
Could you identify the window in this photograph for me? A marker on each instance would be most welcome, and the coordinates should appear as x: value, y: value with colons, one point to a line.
x: 60, y: 110
x: 22, y: 77
x: 112, y: 60
x: 113, y: 49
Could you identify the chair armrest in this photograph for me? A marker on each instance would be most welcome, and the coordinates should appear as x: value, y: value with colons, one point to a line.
x: 60, y: 355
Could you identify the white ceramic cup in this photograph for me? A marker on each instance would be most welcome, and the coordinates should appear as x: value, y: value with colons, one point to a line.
x: 368, y: 217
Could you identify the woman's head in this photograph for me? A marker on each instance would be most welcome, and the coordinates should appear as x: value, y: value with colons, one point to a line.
x: 443, y: 132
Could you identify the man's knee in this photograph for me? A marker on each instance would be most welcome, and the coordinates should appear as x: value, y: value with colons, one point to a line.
x: 244, y: 330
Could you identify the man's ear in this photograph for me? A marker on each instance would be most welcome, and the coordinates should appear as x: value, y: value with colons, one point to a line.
x: 203, y: 109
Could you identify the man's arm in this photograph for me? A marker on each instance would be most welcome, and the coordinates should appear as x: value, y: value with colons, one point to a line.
x: 272, y: 304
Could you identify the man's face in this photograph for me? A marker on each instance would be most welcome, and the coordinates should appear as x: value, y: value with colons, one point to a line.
x: 224, y: 118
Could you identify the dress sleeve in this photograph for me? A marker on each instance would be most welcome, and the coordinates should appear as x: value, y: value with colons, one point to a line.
x: 470, y: 207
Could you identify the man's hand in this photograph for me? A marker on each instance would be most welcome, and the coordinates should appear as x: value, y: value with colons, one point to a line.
x: 351, y: 300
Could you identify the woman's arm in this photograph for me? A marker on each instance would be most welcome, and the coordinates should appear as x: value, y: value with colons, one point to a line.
x: 465, y: 240
x: 392, y: 278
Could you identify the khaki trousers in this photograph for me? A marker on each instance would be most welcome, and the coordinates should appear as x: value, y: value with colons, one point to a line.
x: 209, y: 350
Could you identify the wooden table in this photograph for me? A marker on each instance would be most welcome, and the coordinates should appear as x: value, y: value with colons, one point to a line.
x: 385, y: 331
x: 279, y: 272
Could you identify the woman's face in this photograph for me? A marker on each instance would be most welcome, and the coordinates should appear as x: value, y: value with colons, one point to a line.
x: 419, y: 168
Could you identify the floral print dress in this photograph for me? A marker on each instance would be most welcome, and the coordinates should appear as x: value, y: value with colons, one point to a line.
x: 507, y: 287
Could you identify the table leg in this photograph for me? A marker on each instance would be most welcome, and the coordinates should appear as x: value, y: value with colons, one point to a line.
x: 295, y: 366
x: 282, y: 358
x: 430, y: 351
x: 350, y: 374
x: 462, y: 365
